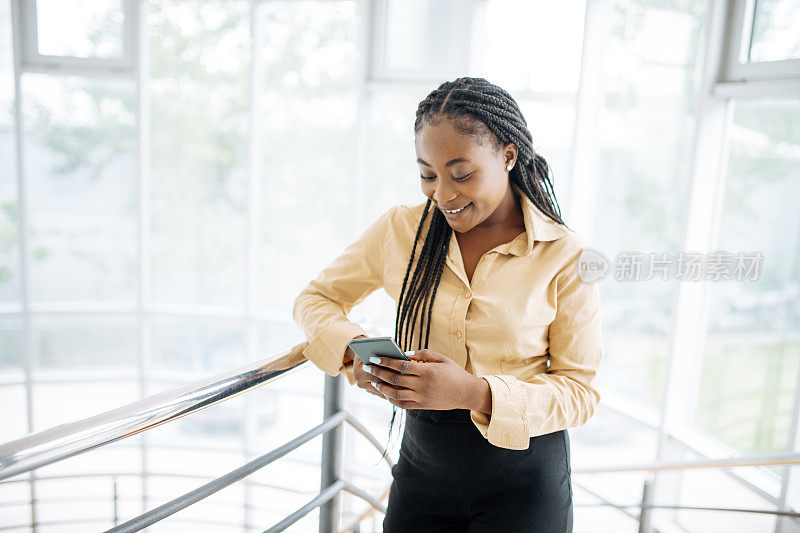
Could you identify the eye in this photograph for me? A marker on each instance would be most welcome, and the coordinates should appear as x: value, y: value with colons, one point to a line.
x: 431, y: 178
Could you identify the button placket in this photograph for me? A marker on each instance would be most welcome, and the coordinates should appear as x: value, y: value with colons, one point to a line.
x: 465, y: 310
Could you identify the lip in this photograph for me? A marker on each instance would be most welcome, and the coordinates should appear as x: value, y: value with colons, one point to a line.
x: 457, y: 215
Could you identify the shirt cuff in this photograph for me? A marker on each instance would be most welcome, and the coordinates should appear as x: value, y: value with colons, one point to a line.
x: 347, y: 370
x: 328, y: 348
x: 507, y: 427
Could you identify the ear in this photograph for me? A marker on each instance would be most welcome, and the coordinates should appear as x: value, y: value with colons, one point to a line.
x: 510, y: 153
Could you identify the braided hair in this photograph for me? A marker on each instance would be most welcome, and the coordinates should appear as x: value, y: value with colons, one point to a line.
x: 488, y: 113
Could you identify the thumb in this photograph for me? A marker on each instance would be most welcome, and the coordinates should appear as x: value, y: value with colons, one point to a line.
x: 426, y: 356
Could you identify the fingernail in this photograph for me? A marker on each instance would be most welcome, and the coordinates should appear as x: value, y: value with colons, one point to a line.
x: 376, y: 360
x: 411, y: 352
x: 368, y: 368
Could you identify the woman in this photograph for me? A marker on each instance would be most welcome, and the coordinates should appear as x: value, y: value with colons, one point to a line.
x: 506, y: 336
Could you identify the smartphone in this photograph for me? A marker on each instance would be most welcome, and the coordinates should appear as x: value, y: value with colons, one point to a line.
x: 377, y: 347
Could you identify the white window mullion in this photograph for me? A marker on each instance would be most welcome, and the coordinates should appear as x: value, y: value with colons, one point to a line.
x: 463, y: 12
x: 741, y: 77
x: 684, y: 364
x: 252, y: 251
x: 367, y: 55
x: 582, y: 192
x: 137, y: 47
x: 18, y: 33
x: 790, y: 484
x: 33, y: 61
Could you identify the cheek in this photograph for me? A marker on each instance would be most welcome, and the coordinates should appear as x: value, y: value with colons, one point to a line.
x: 479, y: 193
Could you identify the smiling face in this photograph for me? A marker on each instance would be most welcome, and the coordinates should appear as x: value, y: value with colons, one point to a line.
x: 458, y: 171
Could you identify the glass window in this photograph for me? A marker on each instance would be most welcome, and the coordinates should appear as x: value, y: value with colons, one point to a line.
x: 545, y: 84
x: 776, y: 30
x: 76, y: 28
x: 219, y: 426
x: 426, y: 35
x: 13, y: 412
x: 308, y: 55
x: 9, y: 230
x: 550, y: 37
x: 12, y: 362
x: 752, y: 350
x: 391, y: 177
x: 392, y: 173
x: 80, y: 164
x: 606, y: 438
x: 191, y: 346
x: 59, y: 403
x: 645, y: 136
x: 64, y: 342
x: 712, y: 488
x: 275, y: 336
x: 199, y: 86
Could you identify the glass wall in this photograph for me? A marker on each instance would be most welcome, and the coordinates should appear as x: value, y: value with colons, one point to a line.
x: 158, y: 219
x: 752, y: 351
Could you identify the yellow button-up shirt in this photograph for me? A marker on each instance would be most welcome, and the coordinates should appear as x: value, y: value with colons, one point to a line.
x: 526, y: 322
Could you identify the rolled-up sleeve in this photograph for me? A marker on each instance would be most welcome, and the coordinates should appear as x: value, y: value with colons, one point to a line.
x: 321, y: 308
x: 564, y: 396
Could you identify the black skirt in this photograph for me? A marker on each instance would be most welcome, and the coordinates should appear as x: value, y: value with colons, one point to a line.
x: 450, y: 478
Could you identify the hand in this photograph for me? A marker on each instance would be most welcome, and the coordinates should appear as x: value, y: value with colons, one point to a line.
x: 434, y: 382
x: 362, y: 377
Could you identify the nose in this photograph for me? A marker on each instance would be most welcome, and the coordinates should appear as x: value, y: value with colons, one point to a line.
x: 443, y: 193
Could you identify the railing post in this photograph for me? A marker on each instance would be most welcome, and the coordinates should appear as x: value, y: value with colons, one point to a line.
x: 644, y: 514
x: 116, y: 501
x: 331, y: 463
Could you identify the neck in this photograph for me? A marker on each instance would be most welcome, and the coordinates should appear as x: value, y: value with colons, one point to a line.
x: 507, y: 215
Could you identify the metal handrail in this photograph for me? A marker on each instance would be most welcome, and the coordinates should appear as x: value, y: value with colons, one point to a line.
x: 114, y: 475
x: 788, y: 514
x: 728, y: 462
x: 159, y: 513
x: 65, y: 440
x: 328, y: 493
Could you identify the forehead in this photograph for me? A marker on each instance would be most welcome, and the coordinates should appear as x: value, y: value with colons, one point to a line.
x: 443, y: 141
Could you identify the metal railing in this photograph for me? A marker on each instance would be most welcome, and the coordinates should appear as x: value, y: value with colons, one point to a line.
x: 66, y: 440
x: 729, y: 462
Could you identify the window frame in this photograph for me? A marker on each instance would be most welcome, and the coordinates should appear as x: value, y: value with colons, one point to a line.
x: 741, y: 77
x: 377, y: 69
x: 33, y: 61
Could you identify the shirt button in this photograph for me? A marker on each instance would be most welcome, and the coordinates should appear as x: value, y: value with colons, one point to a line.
x: 458, y: 334
x: 468, y: 295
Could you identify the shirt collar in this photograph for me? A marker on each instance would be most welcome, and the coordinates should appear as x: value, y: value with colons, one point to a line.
x: 538, y: 227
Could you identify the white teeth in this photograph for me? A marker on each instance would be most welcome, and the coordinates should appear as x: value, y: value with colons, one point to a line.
x: 455, y: 211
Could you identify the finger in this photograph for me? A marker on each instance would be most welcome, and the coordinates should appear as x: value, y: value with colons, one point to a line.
x: 395, y: 393
x: 390, y: 376
x: 398, y: 365
x: 426, y: 356
x: 372, y: 388
x: 404, y: 404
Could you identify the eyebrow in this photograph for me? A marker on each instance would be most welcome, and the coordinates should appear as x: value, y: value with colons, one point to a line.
x: 448, y: 164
